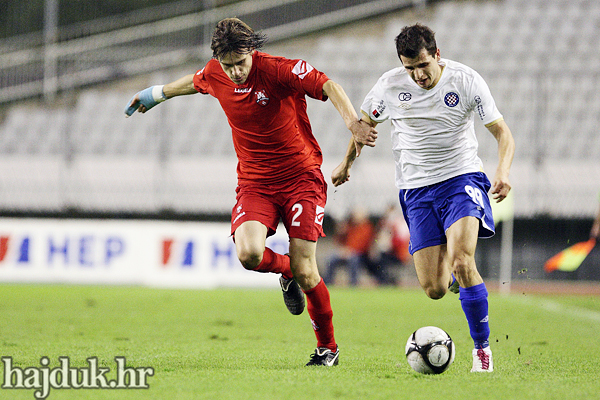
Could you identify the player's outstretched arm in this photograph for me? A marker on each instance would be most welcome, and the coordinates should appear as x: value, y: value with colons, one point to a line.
x: 341, y: 173
x: 146, y: 99
x: 362, y: 134
x: 506, y: 151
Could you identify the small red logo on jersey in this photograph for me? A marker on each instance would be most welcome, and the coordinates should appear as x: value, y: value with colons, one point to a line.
x: 261, y: 97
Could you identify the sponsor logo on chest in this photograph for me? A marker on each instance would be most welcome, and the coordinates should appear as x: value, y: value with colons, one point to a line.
x: 260, y: 96
x: 405, y: 98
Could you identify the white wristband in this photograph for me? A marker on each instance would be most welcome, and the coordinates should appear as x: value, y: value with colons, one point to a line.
x: 157, y: 93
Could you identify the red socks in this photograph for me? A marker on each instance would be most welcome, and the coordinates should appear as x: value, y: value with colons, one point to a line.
x: 276, y: 263
x: 321, y: 315
x: 317, y: 298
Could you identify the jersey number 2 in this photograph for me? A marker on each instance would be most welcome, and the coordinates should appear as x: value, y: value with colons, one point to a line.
x: 298, y: 209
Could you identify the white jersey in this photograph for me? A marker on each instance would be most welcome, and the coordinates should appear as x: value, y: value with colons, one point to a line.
x: 433, y: 133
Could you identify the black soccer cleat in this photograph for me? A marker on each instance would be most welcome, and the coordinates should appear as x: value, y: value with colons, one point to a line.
x: 454, y: 288
x: 324, y: 356
x: 292, y: 295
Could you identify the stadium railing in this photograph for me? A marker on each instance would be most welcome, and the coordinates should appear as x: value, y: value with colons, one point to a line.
x: 63, y: 58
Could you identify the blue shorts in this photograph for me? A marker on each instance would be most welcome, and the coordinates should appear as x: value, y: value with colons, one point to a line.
x: 430, y: 210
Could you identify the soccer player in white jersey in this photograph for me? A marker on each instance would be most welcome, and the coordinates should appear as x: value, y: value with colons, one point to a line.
x: 431, y: 103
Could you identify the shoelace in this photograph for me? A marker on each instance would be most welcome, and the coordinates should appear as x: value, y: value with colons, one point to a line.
x: 484, y: 358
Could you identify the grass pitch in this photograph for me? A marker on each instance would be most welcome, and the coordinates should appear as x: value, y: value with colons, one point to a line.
x: 243, y: 344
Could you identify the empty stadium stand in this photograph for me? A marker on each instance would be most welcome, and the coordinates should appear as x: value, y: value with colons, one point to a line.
x: 539, y: 57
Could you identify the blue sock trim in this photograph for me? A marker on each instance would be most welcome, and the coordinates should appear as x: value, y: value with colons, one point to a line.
x: 473, y: 292
x: 482, y: 345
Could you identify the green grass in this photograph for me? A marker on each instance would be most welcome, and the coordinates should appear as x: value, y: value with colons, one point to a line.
x: 243, y: 344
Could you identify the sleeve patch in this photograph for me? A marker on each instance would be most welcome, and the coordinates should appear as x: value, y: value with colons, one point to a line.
x: 302, y: 68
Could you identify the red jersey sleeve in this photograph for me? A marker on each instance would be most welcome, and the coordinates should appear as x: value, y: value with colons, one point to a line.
x: 201, y: 83
x: 302, y: 77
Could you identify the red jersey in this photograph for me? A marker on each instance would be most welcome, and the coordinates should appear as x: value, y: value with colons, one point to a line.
x: 271, y: 132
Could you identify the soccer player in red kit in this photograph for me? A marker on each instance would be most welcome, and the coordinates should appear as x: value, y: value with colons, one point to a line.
x: 279, y: 159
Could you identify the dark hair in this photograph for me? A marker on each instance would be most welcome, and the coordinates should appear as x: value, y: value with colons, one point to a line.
x: 234, y: 36
x: 413, y: 39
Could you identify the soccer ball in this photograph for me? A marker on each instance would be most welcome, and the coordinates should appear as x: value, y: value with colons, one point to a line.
x: 429, y: 350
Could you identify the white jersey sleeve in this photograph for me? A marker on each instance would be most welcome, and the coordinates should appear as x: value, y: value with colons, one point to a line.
x: 481, y: 101
x: 375, y: 104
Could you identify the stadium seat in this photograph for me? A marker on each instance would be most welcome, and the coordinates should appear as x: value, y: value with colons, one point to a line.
x: 534, y: 54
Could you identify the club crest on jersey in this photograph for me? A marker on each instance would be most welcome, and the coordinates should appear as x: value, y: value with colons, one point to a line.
x: 451, y: 99
x: 261, y: 97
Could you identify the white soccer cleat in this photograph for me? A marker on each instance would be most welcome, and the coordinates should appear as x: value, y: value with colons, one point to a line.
x: 482, y: 360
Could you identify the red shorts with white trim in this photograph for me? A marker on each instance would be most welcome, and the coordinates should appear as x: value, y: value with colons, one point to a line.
x: 299, y: 204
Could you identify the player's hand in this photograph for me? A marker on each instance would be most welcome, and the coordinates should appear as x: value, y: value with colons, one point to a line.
x: 340, y: 174
x: 500, y: 188
x: 145, y: 100
x: 363, y: 134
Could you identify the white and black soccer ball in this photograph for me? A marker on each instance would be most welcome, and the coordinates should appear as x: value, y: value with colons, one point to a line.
x: 429, y: 350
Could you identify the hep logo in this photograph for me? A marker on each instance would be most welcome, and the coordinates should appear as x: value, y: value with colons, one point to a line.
x: 181, y: 252
x: 21, y: 248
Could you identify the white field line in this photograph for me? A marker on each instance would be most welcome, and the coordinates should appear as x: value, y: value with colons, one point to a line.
x: 555, y: 307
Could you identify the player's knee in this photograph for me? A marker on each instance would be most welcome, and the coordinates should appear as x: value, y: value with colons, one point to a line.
x: 249, y: 258
x: 463, y: 266
x: 306, y: 278
x: 433, y: 289
x: 435, y: 292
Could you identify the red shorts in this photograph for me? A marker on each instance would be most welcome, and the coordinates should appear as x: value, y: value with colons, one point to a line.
x: 300, y: 204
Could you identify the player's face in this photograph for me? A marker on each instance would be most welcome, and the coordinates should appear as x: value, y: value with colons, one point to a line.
x: 424, y: 69
x: 237, y: 66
